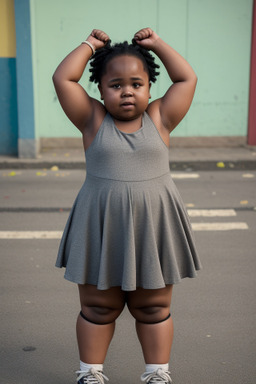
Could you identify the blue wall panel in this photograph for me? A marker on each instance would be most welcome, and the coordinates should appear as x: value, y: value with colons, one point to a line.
x: 8, y: 107
x: 24, y: 70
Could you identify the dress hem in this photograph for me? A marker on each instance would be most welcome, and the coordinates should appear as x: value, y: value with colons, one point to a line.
x: 129, y: 289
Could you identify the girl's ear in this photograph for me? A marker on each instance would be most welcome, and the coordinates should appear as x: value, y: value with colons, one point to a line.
x: 101, y: 93
x: 149, y: 90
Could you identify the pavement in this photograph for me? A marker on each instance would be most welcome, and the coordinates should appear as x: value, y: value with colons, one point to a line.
x: 181, y: 158
x: 214, y: 315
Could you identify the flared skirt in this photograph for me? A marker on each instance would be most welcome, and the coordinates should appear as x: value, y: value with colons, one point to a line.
x: 129, y: 234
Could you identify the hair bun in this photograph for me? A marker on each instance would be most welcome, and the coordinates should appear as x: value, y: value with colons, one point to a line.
x: 103, y: 55
x: 134, y: 42
x: 108, y: 44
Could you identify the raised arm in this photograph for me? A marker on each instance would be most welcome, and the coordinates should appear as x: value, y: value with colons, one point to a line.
x: 174, y: 105
x: 75, y: 101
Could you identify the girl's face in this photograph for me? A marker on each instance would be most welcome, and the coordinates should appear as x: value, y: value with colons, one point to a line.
x: 125, y: 87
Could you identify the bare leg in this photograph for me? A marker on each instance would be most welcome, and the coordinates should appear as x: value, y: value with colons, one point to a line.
x: 101, y: 308
x: 149, y: 307
x: 90, y: 337
x: 157, y: 347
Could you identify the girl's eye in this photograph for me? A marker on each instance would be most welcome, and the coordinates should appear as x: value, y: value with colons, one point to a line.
x: 136, y: 85
x: 116, y: 86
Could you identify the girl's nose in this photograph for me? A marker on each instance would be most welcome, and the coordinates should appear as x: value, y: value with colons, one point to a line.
x: 127, y: 92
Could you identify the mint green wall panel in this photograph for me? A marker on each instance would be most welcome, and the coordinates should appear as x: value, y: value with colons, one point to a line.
x: 213, y: 35
x: 219, y: 41
x: 57, y: 28
x: 173, y: 28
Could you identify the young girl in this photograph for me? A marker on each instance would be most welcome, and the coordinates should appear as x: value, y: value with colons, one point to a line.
x: 128, y: 238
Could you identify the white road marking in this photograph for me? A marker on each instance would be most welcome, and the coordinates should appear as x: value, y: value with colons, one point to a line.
x: 30, y: 234
x: 211, y: 212
x: 185, y: 175
x: 218, y: 226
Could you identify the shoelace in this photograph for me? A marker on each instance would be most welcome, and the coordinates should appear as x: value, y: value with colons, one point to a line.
x: 91, y: 377
x: 159, y: 376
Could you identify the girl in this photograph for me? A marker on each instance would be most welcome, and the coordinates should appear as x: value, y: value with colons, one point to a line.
x: 128, y: 238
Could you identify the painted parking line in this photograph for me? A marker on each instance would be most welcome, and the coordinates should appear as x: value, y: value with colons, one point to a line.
x: 30, y: 234
x: 219, y: 226
x: 211, y: 212
x: 185, y: 175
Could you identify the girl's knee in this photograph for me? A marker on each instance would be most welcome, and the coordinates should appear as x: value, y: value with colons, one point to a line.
x: 101, y: 307
x: 150, y: 315
x: 150, y: 306
x: 100, y: 315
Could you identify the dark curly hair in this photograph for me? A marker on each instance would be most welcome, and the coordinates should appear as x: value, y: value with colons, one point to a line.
x: 102, y: 56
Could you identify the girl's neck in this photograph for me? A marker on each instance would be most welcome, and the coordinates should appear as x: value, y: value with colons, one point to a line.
x: 128, y: 126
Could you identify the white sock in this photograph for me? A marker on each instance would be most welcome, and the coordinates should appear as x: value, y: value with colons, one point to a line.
x: 84, y: 367
x: 154, y: 367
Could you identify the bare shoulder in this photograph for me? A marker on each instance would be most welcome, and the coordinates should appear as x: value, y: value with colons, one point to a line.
x: 91, y: 129
x: 154, y: 111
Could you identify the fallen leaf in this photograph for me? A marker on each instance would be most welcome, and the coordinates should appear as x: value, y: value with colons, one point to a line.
x: 60, y: 175
x: 12, y: 173
x: 54, y: 168
x: 244, y: 202
x: 220, y: 164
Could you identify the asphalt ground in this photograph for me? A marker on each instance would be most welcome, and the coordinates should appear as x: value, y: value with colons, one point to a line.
x: 214, y: 314
x: 185, y: 159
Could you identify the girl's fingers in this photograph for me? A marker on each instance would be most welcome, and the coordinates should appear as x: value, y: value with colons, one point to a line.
x: 100, y: 35
x: 143, y: 34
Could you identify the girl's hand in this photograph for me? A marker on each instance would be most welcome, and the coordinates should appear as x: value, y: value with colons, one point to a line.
x: 146, y: 37
x: 98, y: 38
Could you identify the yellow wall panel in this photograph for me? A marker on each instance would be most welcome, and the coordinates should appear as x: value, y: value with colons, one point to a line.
x: 7, y: 29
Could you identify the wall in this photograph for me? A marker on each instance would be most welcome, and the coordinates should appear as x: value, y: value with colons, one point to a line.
x: 28, y: 142
x: 214, y: 36
x: 252, y: 92
x: 8, y: 89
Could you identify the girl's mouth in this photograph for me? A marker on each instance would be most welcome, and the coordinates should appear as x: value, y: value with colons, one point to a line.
x: 127, y: 104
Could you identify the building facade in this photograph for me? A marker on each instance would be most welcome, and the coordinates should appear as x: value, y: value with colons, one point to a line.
x: 215, y: 36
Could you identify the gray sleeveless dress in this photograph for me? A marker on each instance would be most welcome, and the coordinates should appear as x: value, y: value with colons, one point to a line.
x: 128, y: 226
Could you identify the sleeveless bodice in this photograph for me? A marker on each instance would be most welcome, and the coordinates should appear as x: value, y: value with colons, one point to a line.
x: 128, y: 226
x: 137, y: 156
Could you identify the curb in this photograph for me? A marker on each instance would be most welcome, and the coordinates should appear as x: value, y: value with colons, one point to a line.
x: 239, y: 165
x: 174, y: 165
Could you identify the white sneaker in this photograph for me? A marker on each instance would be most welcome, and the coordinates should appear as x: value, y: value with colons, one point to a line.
x: 159, y: 377
x: 90, y: 377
